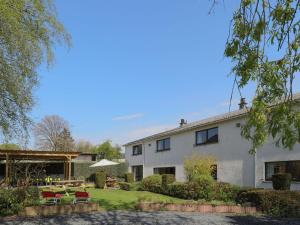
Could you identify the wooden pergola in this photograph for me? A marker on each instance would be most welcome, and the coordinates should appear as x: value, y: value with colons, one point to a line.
x: 10, y: 155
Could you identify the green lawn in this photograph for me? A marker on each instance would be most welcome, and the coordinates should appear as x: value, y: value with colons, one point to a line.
x: 119, y: 199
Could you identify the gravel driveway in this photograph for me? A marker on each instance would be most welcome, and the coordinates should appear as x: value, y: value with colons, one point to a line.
x: 151, y: 218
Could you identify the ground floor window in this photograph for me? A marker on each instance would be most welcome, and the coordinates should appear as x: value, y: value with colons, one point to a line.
x: 137, y: 172
x: 292, y: 167
x: 164, y: 170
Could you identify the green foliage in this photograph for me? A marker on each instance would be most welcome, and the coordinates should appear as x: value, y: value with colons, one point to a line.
x: 125, y: 186
x: 85, y: 147
x: 152, y: 183
x: 197, y: 165
x: 205, y: 187
x: 10, y: 147
x: 167, y: 179
x: 83, y: 169
x: 30, y: 30
x: 100, y: 179
x: 108, y: 151
x: 282, y: 181
x: 129, y: 177
x: 276, y: 203
x: 225, y: 192
x: 13, y: 201
x: 260, y: 28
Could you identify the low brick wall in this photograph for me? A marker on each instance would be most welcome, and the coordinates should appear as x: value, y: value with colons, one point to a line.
x: 47, y: 210
x: 147, y: 206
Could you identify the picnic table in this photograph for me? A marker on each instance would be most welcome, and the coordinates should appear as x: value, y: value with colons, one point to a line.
x: 69, y: 182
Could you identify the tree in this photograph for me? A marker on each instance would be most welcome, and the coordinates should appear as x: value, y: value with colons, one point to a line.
x: 53, y: 133
x: 264, y: 44
x: 108, y: 151
x: 85, y: 146
x: 29, y: 30
x: 8, y: 146
x: 65, y: 141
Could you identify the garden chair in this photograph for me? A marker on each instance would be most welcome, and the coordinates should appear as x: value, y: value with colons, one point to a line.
x: 81, y: 196
x: 51, y: 197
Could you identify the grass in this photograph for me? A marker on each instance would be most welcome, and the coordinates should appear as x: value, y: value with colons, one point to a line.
x: 118, y: 199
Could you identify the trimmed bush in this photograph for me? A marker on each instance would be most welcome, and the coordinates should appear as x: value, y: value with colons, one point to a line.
x: 11, y: 201
x: 189, y: 190
x: 125, y: 186
x: 152, y: 183
x: 167, y: 179
x: 282, y: 181
x: 100, y: 179
x: 204, y: 186
x: 225, y: 192
x: 129, y: 178
x: 272, y: 202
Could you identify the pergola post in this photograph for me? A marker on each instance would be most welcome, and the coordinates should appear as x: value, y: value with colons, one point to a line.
x: 69, y: 168
x: 7, y: 169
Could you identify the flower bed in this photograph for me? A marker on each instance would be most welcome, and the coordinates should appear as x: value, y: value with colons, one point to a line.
x: 203, y: 208
x: 47, y: 210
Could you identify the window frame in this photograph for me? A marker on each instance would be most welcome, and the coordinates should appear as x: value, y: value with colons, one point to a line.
x: 164, y: 145
x: 286, y: 166
x: 139, y: 152
x: 206, y: 132
x: 164, y: 168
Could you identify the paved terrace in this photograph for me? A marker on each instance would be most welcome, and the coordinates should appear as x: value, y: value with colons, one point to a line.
x: 151, y: 218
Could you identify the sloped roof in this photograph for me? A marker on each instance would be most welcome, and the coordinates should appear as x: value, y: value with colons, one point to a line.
x: 198, y: 124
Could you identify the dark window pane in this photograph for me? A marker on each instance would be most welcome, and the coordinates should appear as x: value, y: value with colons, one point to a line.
x: 212, y: 135
x: 137, y: 150
x: 160, y: 145
x: 164, y: 170
x: 167, y: 143
x: 293, y: 167
x: 201, y: 137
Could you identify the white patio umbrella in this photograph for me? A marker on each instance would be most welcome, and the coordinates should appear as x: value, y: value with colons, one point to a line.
x: 104, y: 162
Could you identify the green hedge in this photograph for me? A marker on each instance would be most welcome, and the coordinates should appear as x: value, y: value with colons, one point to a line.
x: 83, y: 169
x: 100, y: 179
x: 273, y: 202
x: 129, y: 178
x: 225, y: 192
x: 282, y: 181
x: 152, y: 183
x: 167, y: 179
x: 125, y: 186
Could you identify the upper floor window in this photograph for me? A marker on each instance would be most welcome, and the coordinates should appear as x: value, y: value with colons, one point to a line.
x: 163, y: 145
x: 137, y: 150
x: 207, y: 136
x: 292, y: 167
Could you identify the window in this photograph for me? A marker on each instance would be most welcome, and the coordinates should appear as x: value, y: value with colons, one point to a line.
x: 94, y: 157
x: 137, y: 150
x: 292, y: 167
x: 164, y: 170
x: 163, y: 145
x: 137, y: 173
x: 207, y: 136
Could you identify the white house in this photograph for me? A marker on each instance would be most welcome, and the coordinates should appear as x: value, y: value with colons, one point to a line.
x: 221, y: 136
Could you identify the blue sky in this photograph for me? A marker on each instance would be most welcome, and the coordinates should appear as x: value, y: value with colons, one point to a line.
x: 137, y: 67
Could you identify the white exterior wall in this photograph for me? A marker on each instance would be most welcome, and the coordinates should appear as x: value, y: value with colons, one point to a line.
x: 234, y: 164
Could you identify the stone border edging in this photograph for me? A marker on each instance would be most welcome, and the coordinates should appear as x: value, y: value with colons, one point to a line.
x: 148, y: 206
x: 47, y: 210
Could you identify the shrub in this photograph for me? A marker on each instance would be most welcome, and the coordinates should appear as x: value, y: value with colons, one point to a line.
x: 225, y: 192
x: 282, y: 181
x: 197, y: 165
x: 129, y: 178
x: 167, y: 179
x: 125, y: 186
x: 11, y: 201
x: 272, y: 202
x: 100, y: 179
x: 187, y: 190
x: 136, y: 186
x: 152, y: 183
x: 204, y: 186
